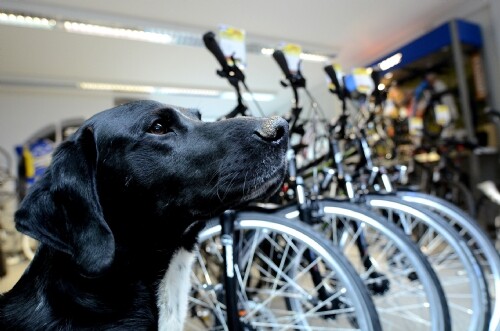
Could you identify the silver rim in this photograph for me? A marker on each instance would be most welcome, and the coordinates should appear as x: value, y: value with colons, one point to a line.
x: 416, y: 304
x: 273, y: 276
x: 478, y: 241
x: 458, y: 271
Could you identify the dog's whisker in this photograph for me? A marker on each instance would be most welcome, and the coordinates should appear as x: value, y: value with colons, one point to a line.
x: 217, y: 173
x: 230, y: 185
x: 223, y: 184
x: 220, y: 181
x: 218, y: 196
x: 244, y: 183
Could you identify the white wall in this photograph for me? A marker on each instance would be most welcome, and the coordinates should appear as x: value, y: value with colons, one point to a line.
x: 23, y: 111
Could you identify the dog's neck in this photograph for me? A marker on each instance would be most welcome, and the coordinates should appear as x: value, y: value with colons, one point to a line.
x: 173, y: 292
x: 139, y: 282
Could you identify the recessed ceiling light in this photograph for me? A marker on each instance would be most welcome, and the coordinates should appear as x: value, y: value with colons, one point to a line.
x: 123, y: 33
x: 27, y: 21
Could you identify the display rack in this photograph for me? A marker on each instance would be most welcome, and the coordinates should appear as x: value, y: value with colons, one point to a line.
x: 454, y: 50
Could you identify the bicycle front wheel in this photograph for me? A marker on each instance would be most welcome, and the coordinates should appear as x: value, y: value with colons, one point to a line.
x: 478, y: 241
x: 406, y: 292
x: 459, y: 272
x: 281, y: 269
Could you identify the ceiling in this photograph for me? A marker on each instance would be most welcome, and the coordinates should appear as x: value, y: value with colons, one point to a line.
x: 356, y: 31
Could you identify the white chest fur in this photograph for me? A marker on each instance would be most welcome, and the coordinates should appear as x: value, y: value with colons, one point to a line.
x: 172, y: 296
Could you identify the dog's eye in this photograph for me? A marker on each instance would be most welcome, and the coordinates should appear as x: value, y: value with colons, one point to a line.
x: 159, y: 128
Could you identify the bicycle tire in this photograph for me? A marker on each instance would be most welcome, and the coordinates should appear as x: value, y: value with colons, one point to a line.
x: 456, y: 192
x: 471, y: 298
x: 353, y: 290
x: 421, y: 304
x: 479, y: 242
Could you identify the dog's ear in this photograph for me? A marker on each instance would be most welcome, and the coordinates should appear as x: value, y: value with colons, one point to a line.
x: 63, y: 211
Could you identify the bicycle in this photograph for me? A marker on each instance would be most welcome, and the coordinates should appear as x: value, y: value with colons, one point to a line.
x: 358, y: 232
x: 251, y: 242
x: 466, y: 227
x: 411, y: 219
x: 15, y: 246
x: 270, y: 262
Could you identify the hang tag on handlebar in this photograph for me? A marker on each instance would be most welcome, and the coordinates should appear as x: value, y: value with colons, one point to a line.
x: 360, y: 81
x: 232, y: 44
x: 416, y: 126
x: 292, y: 54
x: 442, y: 115
x: 338, y: 73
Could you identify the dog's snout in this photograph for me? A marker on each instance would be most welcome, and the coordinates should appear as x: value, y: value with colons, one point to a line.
x: 273, y: 129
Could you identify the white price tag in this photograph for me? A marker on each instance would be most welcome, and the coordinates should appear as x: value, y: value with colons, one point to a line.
x: 363, y: 80
x: 232, y: 44
x: 415, y: 126
x: 442, y: 114
x: 292, y: 55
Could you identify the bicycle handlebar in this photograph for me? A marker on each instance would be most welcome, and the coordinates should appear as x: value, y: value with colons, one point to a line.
x: 330, y: 71
x: 281, y: 60
x: 213, y: 47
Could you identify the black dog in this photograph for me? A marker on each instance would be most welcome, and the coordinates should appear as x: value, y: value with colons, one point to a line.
x: 118, y: 213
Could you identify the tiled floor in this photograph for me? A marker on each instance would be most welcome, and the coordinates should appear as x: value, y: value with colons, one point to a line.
x: 14, y: 272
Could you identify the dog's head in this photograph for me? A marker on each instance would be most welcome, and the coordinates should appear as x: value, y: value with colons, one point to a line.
x: 153, y: 161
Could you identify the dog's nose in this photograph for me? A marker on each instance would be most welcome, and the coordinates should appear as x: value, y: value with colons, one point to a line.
x: 273, y: 129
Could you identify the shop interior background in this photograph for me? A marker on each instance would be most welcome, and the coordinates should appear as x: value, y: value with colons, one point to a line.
x: 42, y: 69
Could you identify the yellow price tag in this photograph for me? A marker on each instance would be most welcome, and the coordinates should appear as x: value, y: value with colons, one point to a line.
x: 364, y: 82
x: 232, y: 44
x: 416, y: 126
x: 292, y: 54
x: 29, y: 162
x: 232, y: 33
x: 292, y: 49
x: 361, y: 71
x: 442, y: 115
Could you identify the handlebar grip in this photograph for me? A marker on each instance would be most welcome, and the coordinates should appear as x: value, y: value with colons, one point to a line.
x: 330, y: 71
x: 213, y: 47
x: 376, y: 77
x: 281, y: 60
x: 376, y: 93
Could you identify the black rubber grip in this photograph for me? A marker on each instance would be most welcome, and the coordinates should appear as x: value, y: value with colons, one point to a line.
x: 213, y: 47
x: 375, y: 77
x: 330, y: 71
x: 281, y: 60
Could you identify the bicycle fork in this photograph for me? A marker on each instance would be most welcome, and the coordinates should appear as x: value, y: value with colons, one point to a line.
x: 228, y: 239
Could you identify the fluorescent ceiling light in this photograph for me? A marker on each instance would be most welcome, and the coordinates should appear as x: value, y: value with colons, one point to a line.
x: 107, y: 31
x: 116, y: 87
x: 263, y: 97
x: 303, y: 56
x: 267, y: 51
x: 140, y: 33
x: 146, y: 89
x: 27, y: 21
x: 390, y: 62
x: 313, y: 57
x: 187, y: 91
